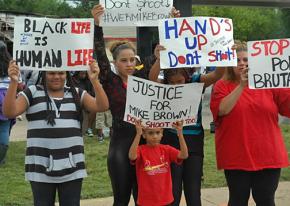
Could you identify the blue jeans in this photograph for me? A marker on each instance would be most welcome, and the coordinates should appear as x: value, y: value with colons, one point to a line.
x: 4, y: 131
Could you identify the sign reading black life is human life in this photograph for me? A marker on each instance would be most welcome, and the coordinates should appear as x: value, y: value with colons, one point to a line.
x: 159, y: 105
x: 52, y: 44
x: 269, y: 63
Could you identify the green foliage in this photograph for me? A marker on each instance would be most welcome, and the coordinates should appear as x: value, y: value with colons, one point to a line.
x: 249, y: 23
x: 286, y: 20
x: 57, y: 8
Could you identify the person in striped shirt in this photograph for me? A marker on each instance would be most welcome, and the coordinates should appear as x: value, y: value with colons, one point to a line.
x: 55, y: 151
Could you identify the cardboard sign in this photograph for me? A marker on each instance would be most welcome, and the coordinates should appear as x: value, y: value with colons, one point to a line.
x: 53, y: 44
x: 135, y: 13
x: 196, y: 41
x: 269, y: 63
x: 159, y: 105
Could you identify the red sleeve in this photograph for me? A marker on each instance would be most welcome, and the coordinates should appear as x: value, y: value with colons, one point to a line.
x: 282, y: 100
x: 219, y: 92
x: 133, y: 162
x: 173, y: 154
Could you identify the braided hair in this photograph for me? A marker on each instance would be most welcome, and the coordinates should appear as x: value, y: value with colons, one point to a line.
x: 50, y: 114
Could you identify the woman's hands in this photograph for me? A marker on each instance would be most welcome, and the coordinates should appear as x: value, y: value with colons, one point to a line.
x: 13, y: 71
x: 244, y: 77
x: 97, y: 12
x: 93, y: 72
x: 157, y: 50
x: 174, y: 13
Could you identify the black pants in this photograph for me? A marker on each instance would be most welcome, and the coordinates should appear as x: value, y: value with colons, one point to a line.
x: 122, y: 173
x: 189, y: 175
x: 69, y: 193
x: 263, y: 184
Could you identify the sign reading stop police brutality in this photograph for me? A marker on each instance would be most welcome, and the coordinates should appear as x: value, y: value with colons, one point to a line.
x: 135, y: 12
x: 269, y: 63
x: 159, y: 105
x: 50, y: 44
x: 196, y: 41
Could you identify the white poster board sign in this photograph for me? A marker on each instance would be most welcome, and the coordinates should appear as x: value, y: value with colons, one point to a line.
x: 269, y: 64
x: 159, y: 105
x: 135, y: 12
x: 53, y: 44
x: 196, y: 41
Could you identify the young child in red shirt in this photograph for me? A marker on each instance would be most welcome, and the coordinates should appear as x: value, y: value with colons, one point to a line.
x: 153, y: 161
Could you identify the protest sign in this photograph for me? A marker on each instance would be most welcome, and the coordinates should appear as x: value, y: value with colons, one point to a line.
x: 135, y: 13
x: 196, y: 41
x: 269, y: 63
x: 159, y: 105
x: 53, y: 44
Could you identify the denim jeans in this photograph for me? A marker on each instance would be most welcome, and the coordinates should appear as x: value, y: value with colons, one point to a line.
x: 4, y: 131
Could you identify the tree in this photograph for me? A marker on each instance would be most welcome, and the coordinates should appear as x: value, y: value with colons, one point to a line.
x: 57, y: 8
x: 249, y: 23
x: 286, y: 21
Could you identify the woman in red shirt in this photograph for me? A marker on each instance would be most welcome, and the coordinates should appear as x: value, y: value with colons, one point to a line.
x: 249, y: 143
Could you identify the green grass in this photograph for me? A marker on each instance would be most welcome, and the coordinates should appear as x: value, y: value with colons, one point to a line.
x: 15, y: 191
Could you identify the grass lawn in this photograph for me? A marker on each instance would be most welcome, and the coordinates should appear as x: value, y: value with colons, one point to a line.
x: 15, y: 191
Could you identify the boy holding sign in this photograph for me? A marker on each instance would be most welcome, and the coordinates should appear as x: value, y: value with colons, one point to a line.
x: 188, y: 175
x: 153, y: 164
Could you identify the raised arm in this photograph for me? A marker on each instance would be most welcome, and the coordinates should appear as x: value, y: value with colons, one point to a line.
x: 13, y: 106
x: 99, y: 43
x: 228, y: 103
x: 183, y: 154
x: 212, y: 77
x: 100, y: 102
x: 155, y: 69
x: 134, y: 147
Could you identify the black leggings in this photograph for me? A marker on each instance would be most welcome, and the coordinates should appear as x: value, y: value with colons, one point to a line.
x: 122, y: 173
x: 69, y: 193
x: 263, y: 184
x: 189, y: 173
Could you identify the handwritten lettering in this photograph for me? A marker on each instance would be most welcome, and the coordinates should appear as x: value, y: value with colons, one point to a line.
x: 39, y: 59
x: 270, y: 47
x: 147, y: 89
x: 32, y: 26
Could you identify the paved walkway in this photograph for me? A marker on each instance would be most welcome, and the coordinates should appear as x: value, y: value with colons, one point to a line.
x: 210, y: 197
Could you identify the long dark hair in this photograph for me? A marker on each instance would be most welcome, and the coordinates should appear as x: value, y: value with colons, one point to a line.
x: 5, y: 58
x: 50, y: 117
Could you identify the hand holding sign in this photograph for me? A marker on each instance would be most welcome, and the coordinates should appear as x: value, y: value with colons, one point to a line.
x: 174, y: 13
x: 97, y: 11
x: 13, y: 71
x: 178, y: 125
x: 244, y: 77
x: 139, y: 127
x: 157, y: 50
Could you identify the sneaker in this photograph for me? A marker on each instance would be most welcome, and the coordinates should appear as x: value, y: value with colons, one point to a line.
x: 100, y: 138
x: 89, y: 132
